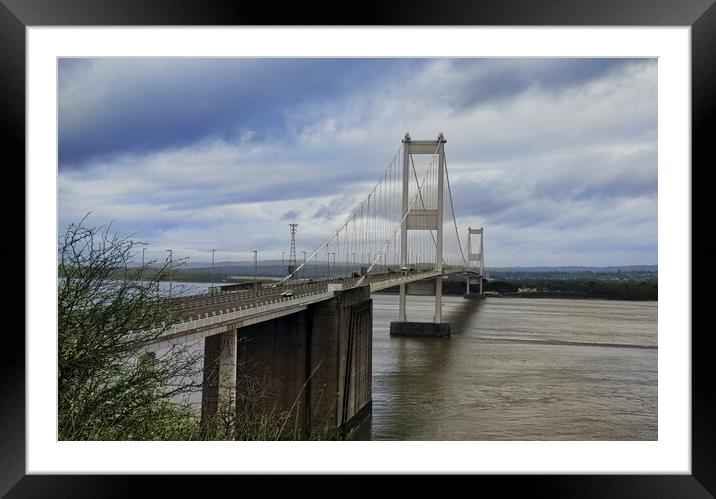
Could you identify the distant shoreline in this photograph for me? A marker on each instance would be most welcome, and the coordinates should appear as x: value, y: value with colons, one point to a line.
x: 536, y: 295
x: 568, y: 297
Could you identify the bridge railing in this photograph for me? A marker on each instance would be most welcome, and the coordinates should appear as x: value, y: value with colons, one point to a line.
x: 248, y: 306
x: 237, y: 313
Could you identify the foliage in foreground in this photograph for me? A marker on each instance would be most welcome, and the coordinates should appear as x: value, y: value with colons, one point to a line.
x: 256, y: 415
x: 110, y: 387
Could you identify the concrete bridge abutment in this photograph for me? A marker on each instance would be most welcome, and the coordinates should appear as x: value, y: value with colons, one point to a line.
x: 312, y: 368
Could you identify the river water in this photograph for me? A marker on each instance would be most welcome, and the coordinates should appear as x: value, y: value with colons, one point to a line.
x: 516, y: 369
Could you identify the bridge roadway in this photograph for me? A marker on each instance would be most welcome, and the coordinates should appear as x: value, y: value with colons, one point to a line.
x: 205, y: 315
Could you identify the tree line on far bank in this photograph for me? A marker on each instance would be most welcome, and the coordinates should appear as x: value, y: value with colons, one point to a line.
x: 623, y: 289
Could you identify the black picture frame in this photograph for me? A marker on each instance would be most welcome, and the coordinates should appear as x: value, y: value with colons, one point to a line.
x: 16, y: 15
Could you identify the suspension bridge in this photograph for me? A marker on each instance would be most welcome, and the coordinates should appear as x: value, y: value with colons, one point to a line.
x: 314, y: 334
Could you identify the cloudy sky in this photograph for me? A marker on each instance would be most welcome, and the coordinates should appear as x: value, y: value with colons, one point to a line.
x: 556, y: 158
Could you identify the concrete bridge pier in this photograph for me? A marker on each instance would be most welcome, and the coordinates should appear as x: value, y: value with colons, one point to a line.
x: 219, y: 374
x: 403, y: 303
x: 480, y: 295
x: 437, y: 328
x: 341, y: 361
x: 438, y: 300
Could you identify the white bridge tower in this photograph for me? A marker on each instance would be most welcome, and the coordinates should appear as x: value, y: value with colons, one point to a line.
x: 427, y: 218
x: 475, y: 261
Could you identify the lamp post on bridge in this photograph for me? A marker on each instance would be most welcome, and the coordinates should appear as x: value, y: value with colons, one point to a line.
x: 304, y: 262
x: 170, y: 273
x: 353, y: 266
x: 283, y: 254
x: 212, y: 270
x: 256, y: 269
x: 329, y: 263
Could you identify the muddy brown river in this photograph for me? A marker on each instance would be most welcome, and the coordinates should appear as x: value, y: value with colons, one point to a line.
x: 516, y: 369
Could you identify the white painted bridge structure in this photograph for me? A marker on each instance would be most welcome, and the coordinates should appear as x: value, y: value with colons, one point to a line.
x: 403, y: 231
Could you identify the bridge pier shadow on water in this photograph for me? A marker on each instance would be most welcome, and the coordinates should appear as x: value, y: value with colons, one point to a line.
x: 459, y: 316
x: 416, y: 369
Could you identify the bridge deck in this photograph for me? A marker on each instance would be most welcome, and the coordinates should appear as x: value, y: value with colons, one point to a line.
x: 201, y: 315
x: 200, y: 305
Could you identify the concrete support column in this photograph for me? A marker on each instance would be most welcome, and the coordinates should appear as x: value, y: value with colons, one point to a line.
x: 227, y: 371
x: 438, y: 300
x: 219, y: 383
x: 341, y: 360
x: 402, y: 306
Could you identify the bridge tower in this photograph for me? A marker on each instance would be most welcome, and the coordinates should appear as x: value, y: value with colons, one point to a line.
x: 426, y: 218
x: 292, y: 252
x: 475, y: 258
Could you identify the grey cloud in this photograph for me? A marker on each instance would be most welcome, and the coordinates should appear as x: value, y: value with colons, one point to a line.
x: 290, y: 215
x: 550, y: 160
